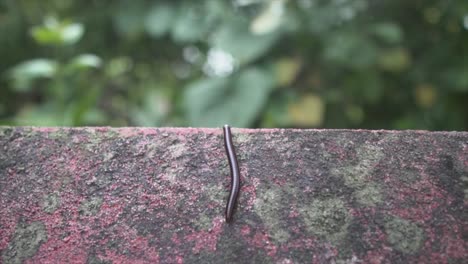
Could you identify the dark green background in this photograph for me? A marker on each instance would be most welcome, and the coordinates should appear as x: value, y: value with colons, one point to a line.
x: 389, y: 64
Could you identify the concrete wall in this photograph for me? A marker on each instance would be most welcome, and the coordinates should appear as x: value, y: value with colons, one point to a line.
x: 143, y: 195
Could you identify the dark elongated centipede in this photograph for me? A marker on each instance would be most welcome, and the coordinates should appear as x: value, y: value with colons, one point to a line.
x: 235, y: 175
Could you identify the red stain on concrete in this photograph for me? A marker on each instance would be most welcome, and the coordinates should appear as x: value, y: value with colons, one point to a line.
x: 261, y: 240
x: 206, y: 240
x: 249, y: 191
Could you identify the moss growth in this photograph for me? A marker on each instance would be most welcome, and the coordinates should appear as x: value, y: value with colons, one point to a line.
x: 328, y: 219
x: 26, y: 241
x: 50, y: 203
x: 404, y: 235
x: 90, y: 206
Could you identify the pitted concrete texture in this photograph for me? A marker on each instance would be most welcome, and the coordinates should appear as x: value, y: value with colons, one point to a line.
x: 157, y: 195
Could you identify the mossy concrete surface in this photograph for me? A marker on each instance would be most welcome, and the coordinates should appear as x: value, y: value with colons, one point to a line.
x: 157, y: 195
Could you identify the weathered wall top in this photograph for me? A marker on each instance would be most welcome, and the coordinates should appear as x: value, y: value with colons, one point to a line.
x: 145, y: 195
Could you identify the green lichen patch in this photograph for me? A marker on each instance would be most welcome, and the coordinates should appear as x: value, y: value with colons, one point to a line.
x: 369, y: 195
x: 65, y: 180
x: 58, y: 134
x: 215, y: 193
x: 177, y: 150
x: 203, y: 222
x: 91, y: 206
x: 240, y: 138
x: 101, y: 180
x: 370, y: 155
x: 6, y: 131
x: 409, y: 177
x: 267, y: 201
x: 464, y: 180
x: 404, y: 235
x: 328, y: 219
x: 50, y: 203
x: 108, y: 156
x: 26, y: 241
x: 268, y: 207
x: 95, y: 139
x: 93, y: 259
x: 356, y: 176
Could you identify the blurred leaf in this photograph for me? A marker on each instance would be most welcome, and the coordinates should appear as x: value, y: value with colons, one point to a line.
x: 82, y: 110
x: 236, y: 100
x: 54, y: 32
x: 118, y: 66
x: 219, y: 63
x: 355, y: 114
x: 72, y: 33
x: 129, y: 18
x: 43, y: 115
x: 286, y: 70
x: 94, y: 117
x: 365, y: 87
x: 390, y: 64
x: 25, y: 73
x: 155, y: 108
x: 269, y: 19
x: 159, y: 19
x: 44, y: 36
x: 290, y: 21
x: 276, y: 112
x: 388, y: 32
x: 308, y: 111
x: 350, y: 49
x: 425, y: 95
x: 194, y: 21
x: 395, y: 60
x: 456, y: 77
x: 408, y: 121
x: 235, y: 38
x: 86, y: 61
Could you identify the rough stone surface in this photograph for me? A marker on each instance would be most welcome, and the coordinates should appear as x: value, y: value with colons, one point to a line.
x: 144, y: 195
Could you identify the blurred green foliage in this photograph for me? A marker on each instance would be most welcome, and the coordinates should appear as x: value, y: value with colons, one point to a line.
x: 389, y: 64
